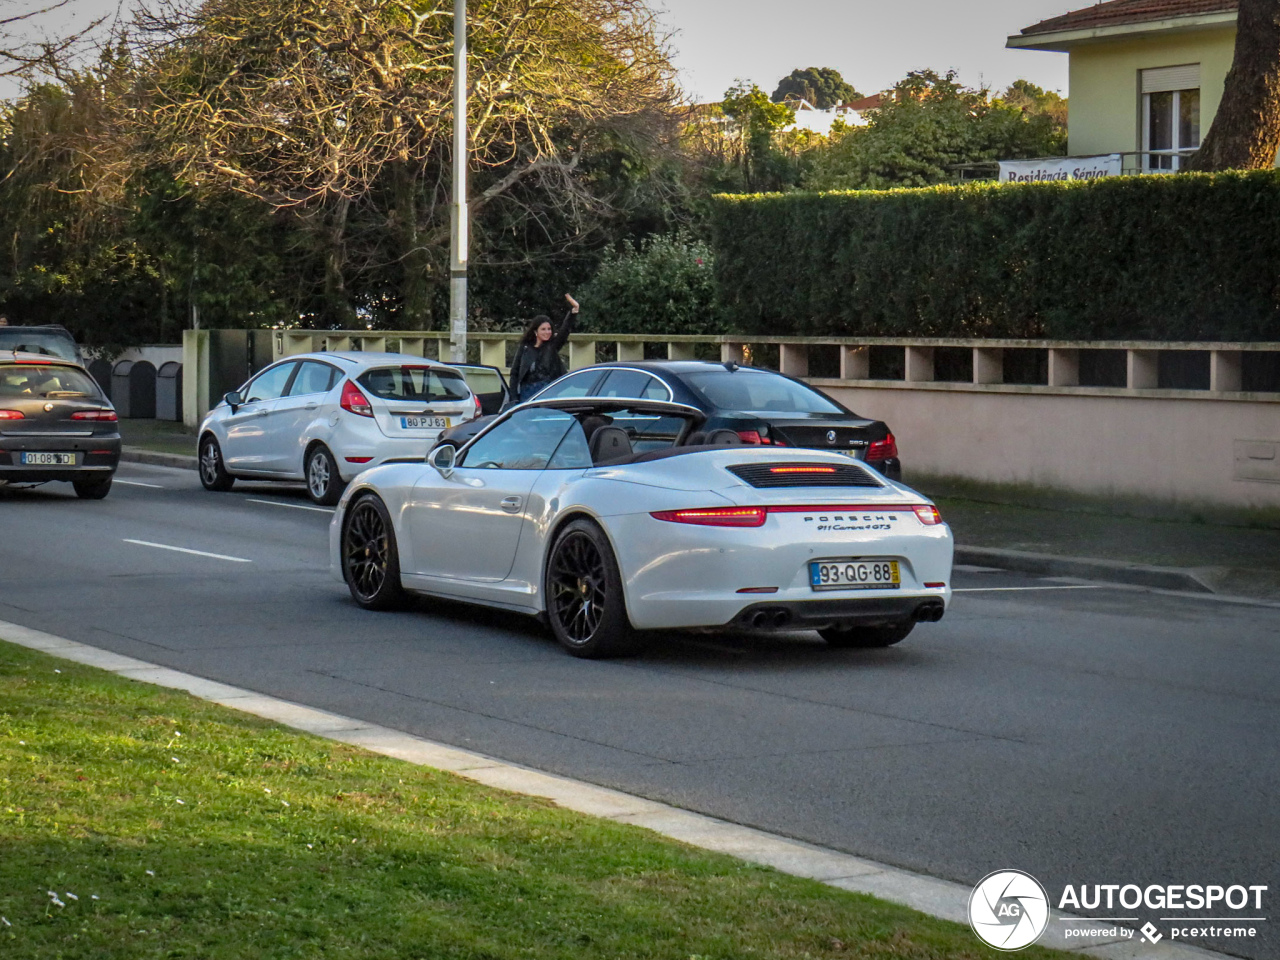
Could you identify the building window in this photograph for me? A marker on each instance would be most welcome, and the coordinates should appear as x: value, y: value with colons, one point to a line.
x: 1170, y: 116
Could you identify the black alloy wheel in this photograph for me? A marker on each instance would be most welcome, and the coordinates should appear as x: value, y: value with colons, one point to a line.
x: 370, y: 559
x: 867, y: 637
x: 585, y: 603
x: 92, y: 489
x: 213, y: 474
x: 324, y: 484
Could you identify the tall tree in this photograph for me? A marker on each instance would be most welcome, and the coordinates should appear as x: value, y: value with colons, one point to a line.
x: 339, y: 111
x: 1246, y: 131
x: 823, y: 87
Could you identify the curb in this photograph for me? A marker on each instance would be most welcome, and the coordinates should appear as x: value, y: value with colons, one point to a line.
x: 138, y: 455
x: 943, y: 899
x: 1049, y: 565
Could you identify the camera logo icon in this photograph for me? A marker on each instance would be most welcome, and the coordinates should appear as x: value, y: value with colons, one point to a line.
x: 1008, y: 910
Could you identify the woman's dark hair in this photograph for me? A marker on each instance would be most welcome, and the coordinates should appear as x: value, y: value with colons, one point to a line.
x: 531, y: 331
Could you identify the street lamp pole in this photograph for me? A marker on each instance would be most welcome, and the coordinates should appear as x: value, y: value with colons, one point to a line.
x: 459, y: 241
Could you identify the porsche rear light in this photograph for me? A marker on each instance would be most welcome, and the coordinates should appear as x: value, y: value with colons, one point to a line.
x: 883, y: 449
x: 107, y: 415
x: 12, y: 415
x: 353, y: 401
x: 716, y: 516
x: 928, y: 514
x: 805, y: 470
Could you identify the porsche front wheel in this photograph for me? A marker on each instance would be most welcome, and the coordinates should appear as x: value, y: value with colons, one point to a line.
x: 370, y: 560
x: 585, y: 604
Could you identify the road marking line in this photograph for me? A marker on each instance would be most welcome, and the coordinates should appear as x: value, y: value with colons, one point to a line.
x: 138, y: 483
x: 294, y: 506
x: 1081, y: 586
x: 194, y: 553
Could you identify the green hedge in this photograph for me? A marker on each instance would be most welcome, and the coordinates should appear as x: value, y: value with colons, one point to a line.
x: 1189, y: 257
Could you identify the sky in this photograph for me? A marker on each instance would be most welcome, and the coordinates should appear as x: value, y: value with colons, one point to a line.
x: 873, y: 43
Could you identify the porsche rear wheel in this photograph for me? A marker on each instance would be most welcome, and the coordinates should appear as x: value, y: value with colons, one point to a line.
x: 866, y: 637
x: 370, y: 559
x: 585, y: 604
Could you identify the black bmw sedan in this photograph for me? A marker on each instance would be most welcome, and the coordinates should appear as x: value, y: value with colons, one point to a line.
x: 56, y: 424
x: 743, y: 404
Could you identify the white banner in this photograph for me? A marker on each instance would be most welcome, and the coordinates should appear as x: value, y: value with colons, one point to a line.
x: 1060, y: 168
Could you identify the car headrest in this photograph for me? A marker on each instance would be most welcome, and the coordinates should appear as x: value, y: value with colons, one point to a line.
x: 608, y: 444
x: 593, y: 423
x: 723, y: 438
x: 696, y: 439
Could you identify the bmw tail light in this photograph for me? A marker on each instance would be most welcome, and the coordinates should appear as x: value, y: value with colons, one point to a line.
x: 928, y: 514
x: 12, y: 415
x: 353, y: 401
x: 716, y: 516
x: 104, y: 415
x: 885, y: 449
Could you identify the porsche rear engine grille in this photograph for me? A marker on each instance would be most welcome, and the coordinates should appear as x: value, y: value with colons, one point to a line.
x: 804, y: 475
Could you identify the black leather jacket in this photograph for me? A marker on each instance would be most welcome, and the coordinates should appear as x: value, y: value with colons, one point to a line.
x: 541, y: 364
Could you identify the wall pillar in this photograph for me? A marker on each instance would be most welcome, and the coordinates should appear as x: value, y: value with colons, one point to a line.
x: 1143, y: 370
x: 582, y: 353
x: 681, y: 351
x: 1064, y: 368
x: 793, y: 358
x: 855, y: 363
x: 1224, y: 371
x: 988, y: 365
x: 919, y: 364
x: 195, y: 376
x: 493, y: 353
x: 732, y: 353
x: 630, y: 351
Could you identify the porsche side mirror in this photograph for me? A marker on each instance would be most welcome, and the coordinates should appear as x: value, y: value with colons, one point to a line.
x: 442, y: 458
x: 234, y: 400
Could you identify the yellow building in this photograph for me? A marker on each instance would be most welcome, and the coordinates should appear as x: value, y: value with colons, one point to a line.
x: 1146, y: 75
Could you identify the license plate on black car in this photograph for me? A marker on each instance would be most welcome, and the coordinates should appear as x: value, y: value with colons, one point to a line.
x: 31, y: 459
x: 867, y: 573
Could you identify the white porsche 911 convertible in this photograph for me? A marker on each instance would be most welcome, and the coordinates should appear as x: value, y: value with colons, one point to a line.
x: 610, y: 517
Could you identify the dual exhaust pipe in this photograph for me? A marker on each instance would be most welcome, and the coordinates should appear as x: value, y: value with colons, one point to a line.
x: 770, y: 619
x: 930, y: 611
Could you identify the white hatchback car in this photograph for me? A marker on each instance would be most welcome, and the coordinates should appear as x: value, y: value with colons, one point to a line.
x: 325, y: 417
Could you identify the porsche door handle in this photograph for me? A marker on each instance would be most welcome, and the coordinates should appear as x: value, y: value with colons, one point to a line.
x: 512, y: 504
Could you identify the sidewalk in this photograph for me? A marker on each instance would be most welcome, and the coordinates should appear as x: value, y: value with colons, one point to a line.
x: 1165, y: 554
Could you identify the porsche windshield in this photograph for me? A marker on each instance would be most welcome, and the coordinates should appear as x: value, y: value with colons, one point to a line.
x: 758, y: 390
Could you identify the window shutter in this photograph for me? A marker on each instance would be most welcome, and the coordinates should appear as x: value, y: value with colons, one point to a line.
x: 1162, y: 79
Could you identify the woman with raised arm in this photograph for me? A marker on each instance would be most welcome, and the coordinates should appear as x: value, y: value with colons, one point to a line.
x: 537, y: 360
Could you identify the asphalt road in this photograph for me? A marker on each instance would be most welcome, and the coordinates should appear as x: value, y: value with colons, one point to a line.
x: 1088, y: 736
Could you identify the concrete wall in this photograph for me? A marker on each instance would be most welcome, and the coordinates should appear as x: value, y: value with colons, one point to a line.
x: 1105, y: 97
x: 1175, y: 449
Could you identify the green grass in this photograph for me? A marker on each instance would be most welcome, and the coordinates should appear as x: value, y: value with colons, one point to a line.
x: 189, y: 830
x: 158, y: 436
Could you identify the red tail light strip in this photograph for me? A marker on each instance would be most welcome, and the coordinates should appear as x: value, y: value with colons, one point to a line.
x: 104, y: 415
x: 12, y: 415
x: 756, y: 516
x: 802, y: 469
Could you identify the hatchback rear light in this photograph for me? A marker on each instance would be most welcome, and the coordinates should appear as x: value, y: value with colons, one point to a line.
x: 928, y: 514
x: 479, y: 409
x: 353, y: 401
x: 12, y: 415
x: 107, y: 415
x: 883, y: 449
x: 716, y: 516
